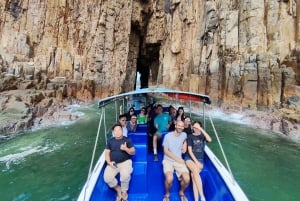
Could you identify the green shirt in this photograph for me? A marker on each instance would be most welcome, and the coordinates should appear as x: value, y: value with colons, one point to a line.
x: 141, y: 119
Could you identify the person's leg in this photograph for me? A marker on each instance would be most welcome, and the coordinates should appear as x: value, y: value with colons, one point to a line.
x: 195, y: 170
x: 168, y: 183
x: 168, y: 169
x: 183, y: 176
x: 125, y: 176
x: 156, y: 136
x: 198, y: 181
x: 195, y: 189
x: 119, y: 192
x: 110, y: 178
x: 155, y: 143
x: 191, y: 165
x: 184, y: 183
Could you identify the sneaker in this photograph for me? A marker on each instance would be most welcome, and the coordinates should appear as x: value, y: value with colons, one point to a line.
x: 202, y: 199
x: 155, y: 158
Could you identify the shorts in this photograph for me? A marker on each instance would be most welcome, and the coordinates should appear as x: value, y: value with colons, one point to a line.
x: 170, y: 166
x: 158, y: 132
x: 188, y: 158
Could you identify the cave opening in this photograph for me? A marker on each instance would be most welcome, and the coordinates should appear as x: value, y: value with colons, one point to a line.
x: 146, y: 53
x: 148, y: 64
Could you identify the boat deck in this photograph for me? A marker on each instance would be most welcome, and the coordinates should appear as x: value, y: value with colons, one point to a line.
x: 147, y: 181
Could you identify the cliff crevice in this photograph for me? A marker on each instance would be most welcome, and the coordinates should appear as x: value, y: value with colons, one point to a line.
x: 242, y: 53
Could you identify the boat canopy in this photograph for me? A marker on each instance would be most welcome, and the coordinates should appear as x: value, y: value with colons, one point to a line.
x: 181, y: 95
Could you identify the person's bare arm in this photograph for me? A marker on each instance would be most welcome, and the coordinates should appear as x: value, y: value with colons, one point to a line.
x: 171, y: 155
x: 107, y: 158
x: 207, y: 137
x: 184, y: 147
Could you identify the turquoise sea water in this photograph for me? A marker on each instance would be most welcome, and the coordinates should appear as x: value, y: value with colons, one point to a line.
x: 52, y: 164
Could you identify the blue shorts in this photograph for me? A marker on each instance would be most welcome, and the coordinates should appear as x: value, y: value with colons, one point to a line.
x: 189, y: 158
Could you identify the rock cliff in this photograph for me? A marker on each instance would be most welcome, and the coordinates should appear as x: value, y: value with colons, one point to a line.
x: 242, y: 53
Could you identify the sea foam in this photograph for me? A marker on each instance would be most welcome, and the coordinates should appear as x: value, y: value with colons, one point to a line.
x: 229, y: 117
x: 216, y: 113
x: 17, y: 158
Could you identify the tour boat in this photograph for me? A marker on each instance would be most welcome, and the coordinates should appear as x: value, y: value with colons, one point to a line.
x: 147, y: 178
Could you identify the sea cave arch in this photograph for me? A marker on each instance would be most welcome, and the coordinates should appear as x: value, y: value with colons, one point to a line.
x: 148, y: 64
x: 144, y: 55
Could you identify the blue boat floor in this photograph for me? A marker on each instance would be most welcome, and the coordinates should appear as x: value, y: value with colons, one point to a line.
x: 153, y: 185
x: 147, y: 183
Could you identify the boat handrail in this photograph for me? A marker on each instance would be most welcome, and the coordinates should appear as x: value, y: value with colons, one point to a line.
x: 105, y: 128
x: 220, y: 145
x: 95, y: 146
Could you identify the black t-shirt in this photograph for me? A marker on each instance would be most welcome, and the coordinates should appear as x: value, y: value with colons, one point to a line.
x: 151, y: 128
x: 188, y: 130
x: 116, y: 154
x: 197, y: 143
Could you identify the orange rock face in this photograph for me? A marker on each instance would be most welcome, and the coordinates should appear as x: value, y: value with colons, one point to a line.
x: 241, y: 53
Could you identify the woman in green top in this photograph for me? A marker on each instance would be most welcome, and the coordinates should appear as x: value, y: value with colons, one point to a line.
x: 142, y: 118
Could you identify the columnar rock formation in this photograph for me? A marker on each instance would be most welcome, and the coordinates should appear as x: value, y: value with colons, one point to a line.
x: 240, y: 52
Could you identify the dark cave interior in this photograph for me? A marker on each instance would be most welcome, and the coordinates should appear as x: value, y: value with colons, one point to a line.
x: 147, y: 62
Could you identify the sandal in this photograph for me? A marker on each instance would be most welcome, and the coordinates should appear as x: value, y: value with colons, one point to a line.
x: 166, y: 198
x: 183, y: 198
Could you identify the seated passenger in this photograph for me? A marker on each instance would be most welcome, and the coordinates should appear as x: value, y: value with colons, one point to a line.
x: 148, y: 113
x: 131, y: 125
x: 180, y: 114
x: 151, y: 128
x: 174, y: 146
x: 162, y: 123
x: 142, y: 118
x: 195, y: 155
x: 122, y: 121
x: 117, y: 156
x: 172, y: 113
x: 187, y: 126
x: 129, y: 113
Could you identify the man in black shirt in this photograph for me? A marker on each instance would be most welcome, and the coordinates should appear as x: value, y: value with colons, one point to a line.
x: 118, y: 152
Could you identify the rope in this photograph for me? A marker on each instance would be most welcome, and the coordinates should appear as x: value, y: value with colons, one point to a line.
x: 221, y: 147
